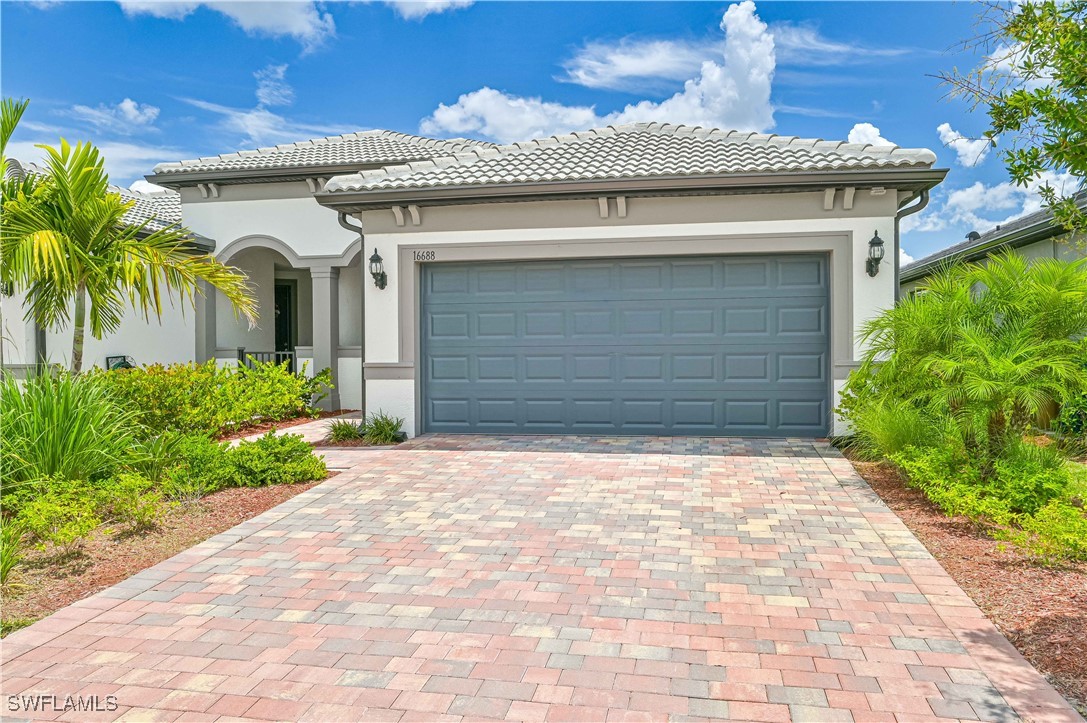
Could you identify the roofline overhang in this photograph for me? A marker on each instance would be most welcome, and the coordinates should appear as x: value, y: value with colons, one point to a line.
x: 367, y: 200
x: 194, y: 242
x: 1016, y: 239
x: 181, y: 179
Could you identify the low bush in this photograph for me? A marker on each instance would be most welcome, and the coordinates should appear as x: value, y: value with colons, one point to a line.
x: 203, y: 466
x: 275, y: 459
x: 65, y: 427
x: 210, y: 399
x: 381, y: 428
x: 1073, y: 418
x: 62, y: 515
x: 886, y: 427
x: 131, y: 500
x: 345, y: 430
x: 1033, y: 499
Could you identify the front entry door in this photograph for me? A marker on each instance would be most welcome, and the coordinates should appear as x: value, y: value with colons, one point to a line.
x: 285, y: 312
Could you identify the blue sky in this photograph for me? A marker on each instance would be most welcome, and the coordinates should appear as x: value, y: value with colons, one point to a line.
x: 155, y: 81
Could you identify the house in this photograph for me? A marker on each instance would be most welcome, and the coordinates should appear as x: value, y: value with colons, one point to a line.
x: 1034, y: 236
x: 635, y: 279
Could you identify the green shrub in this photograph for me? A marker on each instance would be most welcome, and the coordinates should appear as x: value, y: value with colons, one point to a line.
x: 993, y: 346
x: 157, y: 455
x: 12, y: 533
x: 1056, y: 532
x: 275, y: 459
x: 1073, y: 418
x: 1028, y: 477
x: 132, y: 500
x: 345, y: 430
x: 884, y: 428
x: 63, y: 426
x: 381, y: 428
x: 204, y: 466
x: 211, y: 399
x: 63, y: 514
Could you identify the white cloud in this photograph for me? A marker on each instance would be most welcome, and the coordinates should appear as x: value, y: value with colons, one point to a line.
x: 142, y: 186
x: 272, y: 87
x: 125, y: 118
x: 971, y: 152
x: 903, y: 257
x: 867, y: 133
x: 419, y: 9
x: 303, y: 21
x: 628, y: 64
x: 506, y: 118
x: 734, y: 93
x: 259, y: 126
x: 981, y: 207
x: 801, y: 44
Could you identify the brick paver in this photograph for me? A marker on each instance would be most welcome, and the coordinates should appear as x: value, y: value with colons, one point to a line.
x: 545, y: 579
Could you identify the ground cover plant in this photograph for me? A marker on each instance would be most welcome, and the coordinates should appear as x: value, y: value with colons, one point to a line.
x: 377, y: 429
x: 77, y: 462
x: 957, y: 381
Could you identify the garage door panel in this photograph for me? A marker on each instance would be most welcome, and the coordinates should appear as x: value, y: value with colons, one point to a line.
x: 723, y: 345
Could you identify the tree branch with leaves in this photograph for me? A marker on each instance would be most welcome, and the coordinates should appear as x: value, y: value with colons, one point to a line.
x: 1033, y: 82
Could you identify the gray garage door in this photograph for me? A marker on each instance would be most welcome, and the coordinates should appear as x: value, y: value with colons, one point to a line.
x: 734, y: 345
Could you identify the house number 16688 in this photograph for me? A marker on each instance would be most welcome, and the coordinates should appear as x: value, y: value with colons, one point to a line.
x: 423, y: 255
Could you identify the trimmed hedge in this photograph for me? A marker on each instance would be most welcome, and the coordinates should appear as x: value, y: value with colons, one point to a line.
x: 210, y: 399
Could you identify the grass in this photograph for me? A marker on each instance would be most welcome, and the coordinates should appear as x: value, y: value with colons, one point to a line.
x: 12, y: 624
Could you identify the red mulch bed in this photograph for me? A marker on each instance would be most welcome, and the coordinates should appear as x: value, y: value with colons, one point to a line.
x: 1042, y: 610
x: 283, y: 424
x: 47, y: 582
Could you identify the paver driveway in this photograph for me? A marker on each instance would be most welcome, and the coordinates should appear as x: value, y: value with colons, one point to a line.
x: 546, y: 578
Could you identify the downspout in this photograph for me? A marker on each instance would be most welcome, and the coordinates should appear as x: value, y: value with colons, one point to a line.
x: 902, y: 213
x: 342, y: 218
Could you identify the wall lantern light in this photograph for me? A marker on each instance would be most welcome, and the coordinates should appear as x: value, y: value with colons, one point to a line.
x: 875, y: 254
x: 377, y: 270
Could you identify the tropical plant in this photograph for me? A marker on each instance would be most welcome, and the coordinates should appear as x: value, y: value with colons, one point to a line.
x: 382, y: 428
x: 70, y: 247
x: 203, y: 467
x: 13, y: 184
x: 11, y: 549
x: 345, y: 430
x: 993, y: 346
x: 62, y: 426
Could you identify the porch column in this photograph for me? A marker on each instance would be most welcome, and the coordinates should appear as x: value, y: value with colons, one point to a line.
x: 326, y: 326
x: 205, y: 322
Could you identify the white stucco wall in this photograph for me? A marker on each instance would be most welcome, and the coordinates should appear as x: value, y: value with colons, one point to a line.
x: 16, y: 334
x: 384, y: 309
x: 169, y: 341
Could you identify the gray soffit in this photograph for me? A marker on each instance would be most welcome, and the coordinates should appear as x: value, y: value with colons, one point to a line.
x: 154, y: 211
x: 1022, y: 231
x: 634, y: 158
x: 304, y: 159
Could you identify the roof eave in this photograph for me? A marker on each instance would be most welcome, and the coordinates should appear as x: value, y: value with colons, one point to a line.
x: 1017, y: 239
x: 914, y: 179
x: 181, y: 179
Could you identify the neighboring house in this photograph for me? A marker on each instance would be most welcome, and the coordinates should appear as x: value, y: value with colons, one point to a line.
x: 1035, y: 236
x: 638, y: 279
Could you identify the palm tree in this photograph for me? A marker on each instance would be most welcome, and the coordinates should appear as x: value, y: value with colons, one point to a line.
x: 12, y: 184
x: 68, y: 245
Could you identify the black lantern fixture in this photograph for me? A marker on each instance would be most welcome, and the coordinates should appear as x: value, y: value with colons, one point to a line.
x: 875, y: 254
x: 377, y: 270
